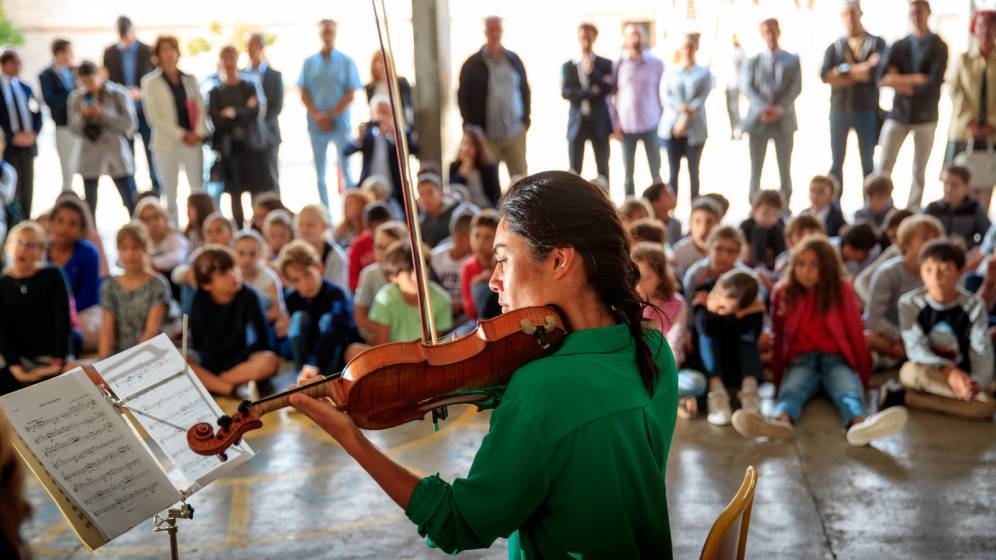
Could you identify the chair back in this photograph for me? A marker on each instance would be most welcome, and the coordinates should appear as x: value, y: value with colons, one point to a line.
x: 727, y: 539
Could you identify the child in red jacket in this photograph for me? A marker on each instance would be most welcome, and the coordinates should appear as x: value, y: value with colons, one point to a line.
x: 818, y: 342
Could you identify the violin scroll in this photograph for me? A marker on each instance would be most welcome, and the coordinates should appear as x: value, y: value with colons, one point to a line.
x: 204, y: 440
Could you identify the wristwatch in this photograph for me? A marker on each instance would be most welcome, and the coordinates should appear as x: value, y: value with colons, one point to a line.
x: 844, y: 69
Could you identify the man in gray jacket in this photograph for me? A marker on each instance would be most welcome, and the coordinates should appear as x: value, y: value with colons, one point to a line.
x: 771, y: 81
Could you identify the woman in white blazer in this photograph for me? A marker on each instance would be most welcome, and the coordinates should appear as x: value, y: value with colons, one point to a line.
x: 176, y: 113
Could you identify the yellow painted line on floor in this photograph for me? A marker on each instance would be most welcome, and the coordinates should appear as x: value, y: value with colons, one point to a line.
x: 51, y: 533
x: 239, y: 513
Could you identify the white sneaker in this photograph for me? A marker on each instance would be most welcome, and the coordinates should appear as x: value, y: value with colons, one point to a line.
x: 753, y: 425
x: 749, y: 401
x: 719, y: 406
x: 885, y: 423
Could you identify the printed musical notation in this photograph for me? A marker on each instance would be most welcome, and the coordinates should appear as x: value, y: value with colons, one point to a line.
x: 164, y: 395
x: 90, y: 451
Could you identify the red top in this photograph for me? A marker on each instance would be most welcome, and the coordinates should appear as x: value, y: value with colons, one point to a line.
x: 361, y: 254
x: 470, y: 269
x: 842, y: 323
x: 812, y: 334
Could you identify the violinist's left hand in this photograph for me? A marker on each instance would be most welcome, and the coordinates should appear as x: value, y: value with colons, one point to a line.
x: 337, y: 423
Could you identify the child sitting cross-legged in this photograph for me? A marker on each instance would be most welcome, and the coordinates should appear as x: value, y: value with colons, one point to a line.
x: 395, y: 310
x: 894, y: 278
x: 135, y: 303
x: 944, y: 328
x: 320, y: 324
x: 727, y: 318
x: 723, y: 255
x: 228, y: 338
x: 373, y: 278
x: 312, y: 225
x: 818, y: 342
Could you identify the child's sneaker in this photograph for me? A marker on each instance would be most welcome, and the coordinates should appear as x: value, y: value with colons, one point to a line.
x: 885, y: 423
x: 891, y: 394
x: 719, y: 406
x: 749, y: 400
x: 753, y: 425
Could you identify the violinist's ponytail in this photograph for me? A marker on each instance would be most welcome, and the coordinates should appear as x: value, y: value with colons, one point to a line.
x: 558, y: 209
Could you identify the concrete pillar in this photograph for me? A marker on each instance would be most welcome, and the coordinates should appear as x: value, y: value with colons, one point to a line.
x: 431, y: 29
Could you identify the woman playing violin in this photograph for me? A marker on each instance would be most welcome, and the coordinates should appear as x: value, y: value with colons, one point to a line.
x: 573, y: 464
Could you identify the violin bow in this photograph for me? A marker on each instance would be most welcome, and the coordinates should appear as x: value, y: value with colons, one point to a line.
x: 401, y: 149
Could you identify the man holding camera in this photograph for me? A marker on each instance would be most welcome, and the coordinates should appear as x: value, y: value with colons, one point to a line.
x: 103, y: 115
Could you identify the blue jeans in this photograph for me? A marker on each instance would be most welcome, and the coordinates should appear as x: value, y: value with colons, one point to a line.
x: 758, y: 146
x: 319, y: 148
x: 807, y: 373
x: 676, y: 149
x: 691, y: 383
x: 865, y: 124
x: 126, y: 188
x: 651, y: 145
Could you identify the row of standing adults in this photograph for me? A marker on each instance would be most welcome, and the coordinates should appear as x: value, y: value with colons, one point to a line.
x: 635, y: 100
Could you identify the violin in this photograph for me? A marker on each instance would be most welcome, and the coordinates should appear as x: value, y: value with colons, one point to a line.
x: 395, y: 383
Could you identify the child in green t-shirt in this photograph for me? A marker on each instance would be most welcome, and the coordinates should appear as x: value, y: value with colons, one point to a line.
x: 395, y: 309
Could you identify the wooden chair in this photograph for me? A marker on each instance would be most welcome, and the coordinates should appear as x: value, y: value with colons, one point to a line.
x: 727, y: 539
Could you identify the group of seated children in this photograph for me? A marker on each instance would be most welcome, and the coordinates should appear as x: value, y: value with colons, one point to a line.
x: 808, y: 301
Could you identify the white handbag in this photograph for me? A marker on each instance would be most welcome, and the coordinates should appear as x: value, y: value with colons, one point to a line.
x: 981, y: 165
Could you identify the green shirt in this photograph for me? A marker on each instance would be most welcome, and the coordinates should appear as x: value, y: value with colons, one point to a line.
x: 574, y: 459
x: 389, y: 308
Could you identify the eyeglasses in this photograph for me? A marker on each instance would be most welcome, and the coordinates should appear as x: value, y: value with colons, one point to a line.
x: 29, y: 245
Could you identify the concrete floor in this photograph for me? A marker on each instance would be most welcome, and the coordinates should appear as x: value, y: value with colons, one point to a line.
x: 926, y: 493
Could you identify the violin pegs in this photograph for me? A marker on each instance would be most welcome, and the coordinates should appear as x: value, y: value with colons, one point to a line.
x: 223, y: 457
x: 225, y: 422
x: 244, y: 407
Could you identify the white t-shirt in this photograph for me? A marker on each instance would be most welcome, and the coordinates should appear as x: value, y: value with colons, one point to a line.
x: 447, y: 270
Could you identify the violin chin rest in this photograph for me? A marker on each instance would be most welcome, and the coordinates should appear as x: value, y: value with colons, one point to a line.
x: 462, y: 398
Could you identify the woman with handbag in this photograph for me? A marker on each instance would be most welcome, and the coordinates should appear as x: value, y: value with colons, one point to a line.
x: 973, y: 104
x: 235, y: 111
x: 176, y: 113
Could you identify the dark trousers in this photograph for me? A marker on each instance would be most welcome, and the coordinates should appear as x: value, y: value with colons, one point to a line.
x: 865, y: 125
x: 146, y: 133
x: 24, y: 163
x: 126, y: 188
x: 599, y: 143
x: 273, y: 167
x: 678, y: 148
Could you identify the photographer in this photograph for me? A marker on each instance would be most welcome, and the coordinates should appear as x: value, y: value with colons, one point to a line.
x: 375, y: 140
x: 102, y: 114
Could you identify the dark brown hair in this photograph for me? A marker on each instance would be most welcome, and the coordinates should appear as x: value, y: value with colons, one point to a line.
x: 15, y: 508
x: 163, y: 40
x: 943, y: 250
x: 878, y: 184
x: 769, y: 197
x: 485, y: 218
x: 204, y: 206
x: 828, y: 180
x: 655, y: 258
x: 482, y: 149
x: 209, y: 260
x: 73, y: 204
x: 559, y: 209
x: 801, y: 223
x: 739, y: 285
x: 828, y: 289
x: 298, y: 254
x: 647, y: 229
x: 961, y: 172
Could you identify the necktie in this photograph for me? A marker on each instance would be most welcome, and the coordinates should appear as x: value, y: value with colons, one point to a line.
x: 983, y: 101
x: 18, y: 125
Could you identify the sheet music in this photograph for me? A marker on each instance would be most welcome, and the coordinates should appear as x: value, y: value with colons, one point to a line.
x: 165, y: 396
x: 90, y: 451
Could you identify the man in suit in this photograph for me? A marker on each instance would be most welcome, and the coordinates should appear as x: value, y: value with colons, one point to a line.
x: 57, y: 83
x: 127, y: 61
x: 272, y: 83
x: 586, y: 82
x: 493, y: 93
x: 20, y: 119
x: 771, y: 80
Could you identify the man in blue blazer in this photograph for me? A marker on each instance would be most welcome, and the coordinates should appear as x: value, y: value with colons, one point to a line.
x: 586, y: 82
x: 272, y: 83
x: 57, y: 82
x: 20, y: 119
x: 771, y: 81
